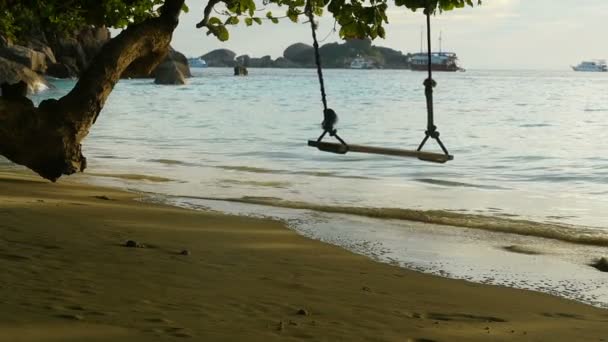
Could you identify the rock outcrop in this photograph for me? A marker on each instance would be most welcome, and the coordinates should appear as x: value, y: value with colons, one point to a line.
x: 264, y: 62
x: 282, y: 62
x: 300, y: 53
x: 240, y: 70
x: 243, y: 60
x: 181, y: 60
x: 12, y: 72
x: 72, y: 53
x: 220, y: 58
x: 32, y: 59
x: 174, y: 57
x: 67, y: 56
x: 169, y: 73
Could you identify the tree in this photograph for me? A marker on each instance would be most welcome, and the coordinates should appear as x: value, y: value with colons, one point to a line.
x: 47, y: 138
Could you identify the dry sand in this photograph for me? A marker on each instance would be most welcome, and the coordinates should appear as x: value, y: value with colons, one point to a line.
x: 67, y: 277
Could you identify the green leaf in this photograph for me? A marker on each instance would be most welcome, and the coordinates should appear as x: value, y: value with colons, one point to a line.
x: 214, y: 21
x: 223, y: 34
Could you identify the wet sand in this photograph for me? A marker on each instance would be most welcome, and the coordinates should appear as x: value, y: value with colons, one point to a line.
x: 67, y: 276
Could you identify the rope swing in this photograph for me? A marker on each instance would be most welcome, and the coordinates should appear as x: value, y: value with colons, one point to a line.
x: 330, y: 118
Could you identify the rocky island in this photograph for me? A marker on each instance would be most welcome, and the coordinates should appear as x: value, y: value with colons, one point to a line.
x: 300, y: 55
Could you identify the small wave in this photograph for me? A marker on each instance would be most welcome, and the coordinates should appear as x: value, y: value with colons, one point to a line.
x: 169, y: 162
x: 534, y: 125
x: 457, y: 184
x: 248, y: 169
x: 110, y: 157
x: 38, y: 87
x: 131, y: 176
x: 304, y: 173
x: 555, y: 231
x: 522, y: 250
x: 270, y: 184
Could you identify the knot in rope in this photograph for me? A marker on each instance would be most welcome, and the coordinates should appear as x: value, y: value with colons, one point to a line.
x: 330, y: 118
x: 429, y: 82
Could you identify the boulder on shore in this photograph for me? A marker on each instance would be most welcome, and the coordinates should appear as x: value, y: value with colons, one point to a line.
x: 173, y: 56
x: 42, y: 47
x: 72, y: 52
x: 32, y: 59
x: 240, y: 70
x: 181, y: 60
x: 243, y: 60
x: 12, y: 72
x: 169, y: 73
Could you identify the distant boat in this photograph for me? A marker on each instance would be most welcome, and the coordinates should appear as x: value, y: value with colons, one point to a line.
x: 361, y: 63
x: 440, y: 61
x: 592, y: 66
x: 197, y: 62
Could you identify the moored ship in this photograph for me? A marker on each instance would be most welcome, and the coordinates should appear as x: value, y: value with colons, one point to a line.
x: 197, y: 62
x: 592, y: 66
x: 440, y: 61
x: 361, y: 63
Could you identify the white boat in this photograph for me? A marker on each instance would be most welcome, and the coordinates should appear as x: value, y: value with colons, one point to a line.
x: 197, y: 62
x: 361, y: 63
x: 440, y: 61
x: 592, y: 66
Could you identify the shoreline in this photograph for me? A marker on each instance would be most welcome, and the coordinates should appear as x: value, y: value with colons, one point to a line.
x: 68, y: 275
x: 535, y: 256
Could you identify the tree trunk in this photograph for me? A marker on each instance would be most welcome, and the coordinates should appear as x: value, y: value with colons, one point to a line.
x: 47, y: 138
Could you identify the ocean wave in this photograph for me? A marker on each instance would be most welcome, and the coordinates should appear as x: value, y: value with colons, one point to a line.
x: 563, y: 232
x: 131, y: 176
x: 170, y: 162
x: 446, y: 183
x: 303, y: 173
x: 270, y: 184
x: 38, y: 87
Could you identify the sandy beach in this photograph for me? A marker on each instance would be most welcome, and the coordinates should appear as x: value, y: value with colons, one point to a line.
x: 67, y: 276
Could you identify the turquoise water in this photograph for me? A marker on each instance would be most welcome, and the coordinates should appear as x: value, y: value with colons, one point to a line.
x: 527, y: 144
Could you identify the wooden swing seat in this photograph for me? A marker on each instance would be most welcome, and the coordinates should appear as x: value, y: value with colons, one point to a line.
x: 343, y: 149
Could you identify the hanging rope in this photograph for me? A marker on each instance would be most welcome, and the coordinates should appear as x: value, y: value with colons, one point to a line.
x: 429, y: 84
x: 330, y: 118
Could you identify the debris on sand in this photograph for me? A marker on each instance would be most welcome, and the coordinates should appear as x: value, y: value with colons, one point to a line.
x: 601, y: 264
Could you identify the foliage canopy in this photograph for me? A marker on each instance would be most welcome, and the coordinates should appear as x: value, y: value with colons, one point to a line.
x: 356, y: 18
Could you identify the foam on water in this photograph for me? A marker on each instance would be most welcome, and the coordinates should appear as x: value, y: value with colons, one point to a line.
x: 489, y: 257
x: 562, y: 232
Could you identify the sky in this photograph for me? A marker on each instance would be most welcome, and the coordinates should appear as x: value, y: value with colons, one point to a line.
x: 499, y: 34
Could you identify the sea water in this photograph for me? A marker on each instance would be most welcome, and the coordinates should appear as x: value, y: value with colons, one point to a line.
x: 528, y: 146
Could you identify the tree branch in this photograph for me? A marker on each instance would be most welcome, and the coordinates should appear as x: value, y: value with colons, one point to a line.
x: 207, y: 12
x: 48, y: 139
